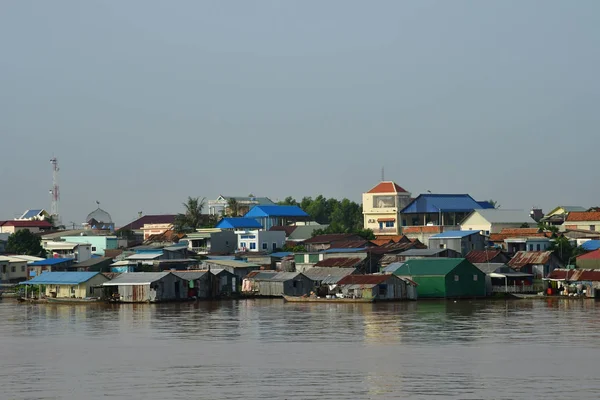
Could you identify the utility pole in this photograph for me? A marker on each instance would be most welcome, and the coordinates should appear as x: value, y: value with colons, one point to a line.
x: 55, y: 192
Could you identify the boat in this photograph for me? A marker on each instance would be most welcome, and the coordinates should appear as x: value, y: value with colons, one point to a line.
x: 31, y: 300
x: 303, y: 299
x: 70, y: 300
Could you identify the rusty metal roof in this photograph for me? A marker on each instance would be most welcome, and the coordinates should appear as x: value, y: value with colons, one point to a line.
x: 340, y: 262
x: 482, y: 256
x: 575, y: 275
x: 333, y: 237
x: 328, y: 275
x: 523, y: 258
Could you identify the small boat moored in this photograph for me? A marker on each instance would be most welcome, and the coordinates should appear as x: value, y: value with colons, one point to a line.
x: 331, y: 299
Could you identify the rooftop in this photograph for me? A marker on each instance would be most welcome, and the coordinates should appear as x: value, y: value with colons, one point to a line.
x: 27, y: 224
x: 482, y: 256
x: 333, y: 237
x: 61, y: 278
x: 575, y: 275
x: 339, y: 262
x: 501, y: 216
x: 523, y: 258
x: 591, y: 245
x: 231, y: 263
x: 454, y: 234
x: 435, y: 203
x: 593, y: 255
x: 276, y: 211
x: 51, y: 261
x: 575, y: 216
x: 387, y: 187
x: 429, y: 266
x: 363, y: 279
x: 238, y: 223
x: 328, y: 275
x: 149, y: 219
x: 137, y: 278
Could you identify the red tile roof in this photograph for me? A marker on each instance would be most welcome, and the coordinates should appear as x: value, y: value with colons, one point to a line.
x: 422, y: 229
x: 593, y: 255
x: 523, y: 258
x: 583, y: 216
x: 149, y: 219
x: 27, y: 224
x: 507, y: 233
x: 363, y: 279
x: 340, y: 262
x: 387, y: 187
x: 482, y: 256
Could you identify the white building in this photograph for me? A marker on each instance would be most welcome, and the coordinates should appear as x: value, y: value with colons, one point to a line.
x: 259, y: 240
x: 78, y: 251
x: 493, y: 220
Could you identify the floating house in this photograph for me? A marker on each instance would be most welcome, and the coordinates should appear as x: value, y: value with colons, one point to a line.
x: 147, y: 287
x: 225, y: 283
x: 238, y: 268
x: 500, y: 278
x: 277, y: 284
x: 76, y: 285
x: 382, y: 287
x: 200, y: 283
x: 444, y: 277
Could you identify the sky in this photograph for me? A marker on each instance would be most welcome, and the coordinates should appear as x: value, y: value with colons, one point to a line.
x: 145, y: 103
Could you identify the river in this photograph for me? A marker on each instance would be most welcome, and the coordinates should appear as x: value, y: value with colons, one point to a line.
x: 268, y: 349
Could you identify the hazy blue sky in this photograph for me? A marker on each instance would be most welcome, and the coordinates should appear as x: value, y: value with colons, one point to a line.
x: 147, y: 102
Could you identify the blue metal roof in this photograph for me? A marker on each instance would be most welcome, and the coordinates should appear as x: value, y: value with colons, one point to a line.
x: 591, y: 245
x: 434, y: 203
x: 51, y: 261
x: 235, y: 223
x: 30, y: 214
x: 393, y: 267
x: 453, y: 234
x: 61, y: 278
x: 275, y: 211
x: 344, y: 250
x: 281, y: 254
x: 485, y: 204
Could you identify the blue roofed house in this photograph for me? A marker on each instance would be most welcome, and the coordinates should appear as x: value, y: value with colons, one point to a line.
x: 221, y: 206
x: 430, y: 214
x: 462, y: 242
x: 70, y: 284
x: 36, y: 268
x: 269, y: 216
x: 251, y: 236
x: 34, y: 214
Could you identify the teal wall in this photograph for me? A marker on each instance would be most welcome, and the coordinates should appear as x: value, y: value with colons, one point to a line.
x: 101, y: 243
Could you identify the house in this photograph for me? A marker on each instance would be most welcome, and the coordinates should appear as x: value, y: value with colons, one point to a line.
x: 147, y: 287
x: 34, y: 214
x: 36, y: 268
x: 99, y: 243
x: 238, y: 223
x: 324, y: 242
x: 585, y: 220
x: 225, y: 284
x: 298, y: 233
x: 558, y: 215
x: 260, y: 240
x: 444, y: 277
x: 212, y: 241
x: 3, y: 241
x: 460, y: 241
x: 499, y: 239
x: 416, y: 254
x: 514, y: 245
x: 221, y: 205
x: 384, y: 287
x: 269, y: 216
x: 500, y: 278
x: 238, y: 268
x: 381, y: 208
x: 32, y: 226
x: 12, y: 269
x: 77, y: 251
x: 341, y: 262
x: 537, y: 263
x: 575, y: 282
x: 493, y: 220
x: 95, y: 264
x: 142, y: 227
x: 99, y: 219
x: 442, y: 210
x: 199, y: 283
x: 494, y: 256
x: 175, y: 256
x: 76, y: 285
x: 589, y: 260
x: 277, y: 284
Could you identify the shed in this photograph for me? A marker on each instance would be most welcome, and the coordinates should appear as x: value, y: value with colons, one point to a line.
x: 238, y: 268
x: 144, y: 287
x: 277, y: 284
x: 382, y: 287
x: 500, y: 278
x: 537, y: 263
x: 225, y: 284
x: 428, y: 253
x: 70, y: 284
x: 444, y: 277
x: 199, y: 283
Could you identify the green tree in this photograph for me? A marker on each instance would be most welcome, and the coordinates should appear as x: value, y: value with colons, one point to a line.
x: 494, y: 203
x: 233, y: 207
x: 288, y: 201
x: 192, y: 218
x: 24, y: 242
x: 564, y: 250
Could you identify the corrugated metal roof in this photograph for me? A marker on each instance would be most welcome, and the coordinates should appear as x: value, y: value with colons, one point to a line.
x: 137, y: 278
x: 61, y: 245
x: 144, y: 256
x: 93, y: 261
x: 350, y: 244
x: 332, y: 237
x: 260, y: 275
x: 434, y: 203
x: 149, y: 219
x: 422, y: 252
x: 278, y: 277
x: 51, y: 261
x: 61, y: 278
x: 276, y: 211
x: 594, y: 255
x: 591, y: 245
x: 422, y: 229
x: 454, y: 234
x: 482, y: 256
x: 231, y: 263
x: 31, y: 213
x: 281, y: 254
x: 393, y: 267
x: 28, y: 258
x: 27, y: 224
x: 190, y: 275
x: 240, y: 222
x: 523, y: 258
x: 364, y: 279
x: 575, y: 275
x: 501, y: 216
x: 429, y: 266
x: 488, y: 268
x: 387, y: 187
x: 348, y: 250
x: 303, y: 232
x: 328, y: 275
x: 340, y: 262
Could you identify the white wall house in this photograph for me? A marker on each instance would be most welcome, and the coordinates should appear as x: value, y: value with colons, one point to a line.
x: 259, y: 240
x: 493, y: 220
x: 78, y: 251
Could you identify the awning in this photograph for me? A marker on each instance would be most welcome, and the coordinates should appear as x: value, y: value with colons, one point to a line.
x: 510, y: 275
x: 144, y: 256
x: 386, y: 219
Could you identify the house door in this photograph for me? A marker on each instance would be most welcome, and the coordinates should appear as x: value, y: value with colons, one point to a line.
x: 274, y: 246
x: 176, y: 290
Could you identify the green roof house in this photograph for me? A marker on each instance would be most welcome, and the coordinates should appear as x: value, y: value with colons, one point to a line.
x: 444, y: 277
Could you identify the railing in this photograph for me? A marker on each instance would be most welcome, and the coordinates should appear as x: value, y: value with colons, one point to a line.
x: 201, y: 250
x: 385, y: 230
x: 514, y: 289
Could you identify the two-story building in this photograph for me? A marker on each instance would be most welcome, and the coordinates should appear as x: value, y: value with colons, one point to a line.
x: 33, y: 226
x: 381, y: 208
x: 462, y: 242
x: 584, y: 220
x: 269, y: 216
x: 242, y: 204
x: 489, y: 221
x: 77, y: 251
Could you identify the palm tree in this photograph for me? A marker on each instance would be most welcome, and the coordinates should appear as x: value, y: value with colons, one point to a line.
x: 192, y: 218
x: 233, y: 207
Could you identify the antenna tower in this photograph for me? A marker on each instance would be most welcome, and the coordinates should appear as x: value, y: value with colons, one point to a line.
x: 382, y: 174
x: 55, y: 191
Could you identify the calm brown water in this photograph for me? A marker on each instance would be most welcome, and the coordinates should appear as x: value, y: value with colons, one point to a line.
x: 268, y: 349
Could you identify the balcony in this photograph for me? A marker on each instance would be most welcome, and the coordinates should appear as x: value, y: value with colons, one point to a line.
x: 201, y: 250
x: 385, y: 231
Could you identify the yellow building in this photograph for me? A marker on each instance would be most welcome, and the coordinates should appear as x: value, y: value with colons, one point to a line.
x: 70, y: 284
x: 381, y: 208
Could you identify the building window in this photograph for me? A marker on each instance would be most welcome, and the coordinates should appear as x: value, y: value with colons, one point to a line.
x: 592, y: 227
x: 389, y: 224
x: 13, y: 269
x: 455, y: 278
x: 487, y: 233
x: 442, y: 246
x: 382, y: 290
x: 243, y: 245
x: 265, y: 246
x: 4, y: 269
x: 475, y: 278
x: 252, y: 246
x: 22, y: 268
x: 274, y: 246
x: 537, y: 246
x: 93, y: 248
